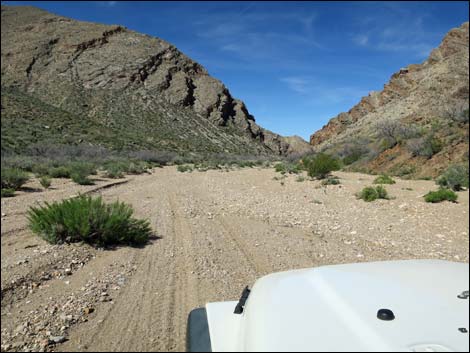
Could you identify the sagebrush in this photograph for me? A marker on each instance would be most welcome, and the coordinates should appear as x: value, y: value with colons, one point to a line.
x: 90, y: 220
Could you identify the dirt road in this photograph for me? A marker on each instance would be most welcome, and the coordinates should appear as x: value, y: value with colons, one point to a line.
x: 215, y: 232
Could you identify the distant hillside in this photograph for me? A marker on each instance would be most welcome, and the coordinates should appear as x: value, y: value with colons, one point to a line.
x: 67, y: 81
x: 418, y: 124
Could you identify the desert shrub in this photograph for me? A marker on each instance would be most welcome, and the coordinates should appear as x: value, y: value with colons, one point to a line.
x: 322, y: 165
x: 371, y: 193
x: 351, y: 158
x: 425, y: 146
x: 368, y: 194
x: 331, y: 181
x: 389, y: 130
x: 81, y: 178
x: 280, y: 168
x: 79, y: 172
x: 159, y: 157
x: 455, y: 177
x: 41, y: 169
x: 8, y: 192
x: 59, y: 172
x: 456, y: 112
x: 45, y: 182
x: 89, y: 220
x: 137, y: 168
x: 384, y: 179
x: 184, y: 168
x: 84, y: 168
x: 300, y: 178
x: 13, y: 178
x: 381, y: 192
x: 114, y: 172
x: 440, y: 195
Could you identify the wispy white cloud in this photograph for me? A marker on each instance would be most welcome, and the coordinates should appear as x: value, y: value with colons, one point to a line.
x: 296, y: 84
x: 316, y: 91
x: 401, y: 30
x: 254, y: 35
x: 361, y: 39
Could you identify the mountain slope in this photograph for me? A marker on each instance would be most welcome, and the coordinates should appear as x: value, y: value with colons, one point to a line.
x: 121, y: 81
x: 430, y: 98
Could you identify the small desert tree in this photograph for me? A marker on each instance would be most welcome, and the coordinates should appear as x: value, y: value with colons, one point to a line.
x: 322, y: 165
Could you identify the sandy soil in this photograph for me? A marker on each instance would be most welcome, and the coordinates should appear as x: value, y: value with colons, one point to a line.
x: 215, y: 232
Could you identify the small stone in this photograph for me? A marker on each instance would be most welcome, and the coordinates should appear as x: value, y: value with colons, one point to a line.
x: 57, y: 339
x: 88, y: 310
x: 68, y: 271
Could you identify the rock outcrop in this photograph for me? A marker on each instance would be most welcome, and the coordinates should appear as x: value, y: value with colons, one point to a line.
x: 92, y: 69
x: 419, y: 89
x: 430, y: 98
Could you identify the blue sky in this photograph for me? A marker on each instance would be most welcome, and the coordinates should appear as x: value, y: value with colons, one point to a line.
x: 294, y: 64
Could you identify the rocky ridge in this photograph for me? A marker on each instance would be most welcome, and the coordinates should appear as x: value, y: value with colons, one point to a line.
x: 415, y: 94
x: 115, y: 76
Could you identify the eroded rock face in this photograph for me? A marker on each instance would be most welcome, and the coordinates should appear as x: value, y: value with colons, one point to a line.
x: 415, y: 91
x: 66, y: 63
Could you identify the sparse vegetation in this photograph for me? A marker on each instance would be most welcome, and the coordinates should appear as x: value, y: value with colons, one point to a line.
x: 455, y: 177
x: 384, y: 179
x: 45, y: 182
x: 441, y: 195
x: 81, y: 178
x: 8, y: 192
x: 184, y: 168
x: 425, y: 146
x: 13, y: 178
x: 286, y: 167
x: 300, y: 178
x: 60, y: 172
x: 322, y: 165
x: 331, y: 181
x: 371, y: 193
x: 89, y: 220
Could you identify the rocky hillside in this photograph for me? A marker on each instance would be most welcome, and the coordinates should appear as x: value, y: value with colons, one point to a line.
x: 418, y: 122
x: 134, y: 90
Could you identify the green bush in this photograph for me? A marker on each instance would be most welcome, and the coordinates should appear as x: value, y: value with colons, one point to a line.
x: 381, y: 192
x: 370, y: 193
x: 59, y: 172
x: 384, y: 179
x: 440, y: 195
x: 351, y: 158
x: 137, y: 168
x: 114, y: 172
x: 89, y: 220
x: 8, y: 192
x: 280, y: 168
x: 45, y: 182
x: 331, y: 181
x: 455, y: 177
x: 82, y: 168
x: 322, y: 165
x: 81, y: 179
x: 184, y: 168
x: 40, y: 169
x: 13, y: 178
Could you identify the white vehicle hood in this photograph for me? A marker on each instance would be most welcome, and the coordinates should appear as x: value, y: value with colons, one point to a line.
x: 334, y: 308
